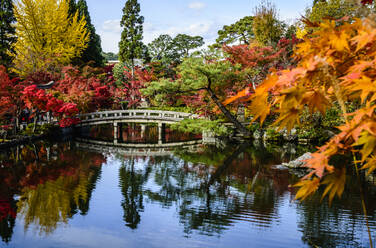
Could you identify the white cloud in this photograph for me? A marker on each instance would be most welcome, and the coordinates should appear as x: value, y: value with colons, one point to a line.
x: 111, y: 26
x: 201, y: 29
x: 197, y: 5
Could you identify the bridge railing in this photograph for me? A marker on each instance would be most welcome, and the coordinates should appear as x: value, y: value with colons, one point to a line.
x: 136, y: 114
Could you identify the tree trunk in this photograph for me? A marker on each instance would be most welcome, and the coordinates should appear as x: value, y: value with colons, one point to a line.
x: 225, y: 165
x: 132, y: 69
x: 35, y: 120
x: 227, y: 113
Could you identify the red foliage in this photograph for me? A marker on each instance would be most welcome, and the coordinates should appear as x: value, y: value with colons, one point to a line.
x: 10, y: 94
x: 39, y: 100
x: 42, y: 77
x: 130, y: 91
x: 87, y: 90
x: 364, y: 2
x: 262, y: 57
x: 6, y: 209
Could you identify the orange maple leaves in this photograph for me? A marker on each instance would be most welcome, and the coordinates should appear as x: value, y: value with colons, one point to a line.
x: 337, y: 64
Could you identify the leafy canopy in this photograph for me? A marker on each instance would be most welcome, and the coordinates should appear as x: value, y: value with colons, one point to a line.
x: 267, y: 28
x: 93, y: 51
x: 130, y: 45
x: 7, y: 31
x: 184, y: 43
x: 239, y: 32
x: 170, y: 50
x: 47, y: 36
x: 161, y: 48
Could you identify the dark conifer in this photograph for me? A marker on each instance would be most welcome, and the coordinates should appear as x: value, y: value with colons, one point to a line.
x: 130, y: 45
x: 7, y: 31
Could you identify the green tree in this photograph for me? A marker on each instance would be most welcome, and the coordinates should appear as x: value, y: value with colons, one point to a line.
x: 145, y: 54
x: 240, y: 32
x: 170, y: 50
x: 130, y: 45
x: 209, y: 73
x: 72, y: 7
x: 93, y: 52
x: 267, y: 28
x: 7, y: 31
x: 184, y: 43
x: 161, y: 48
x: 335, y: 9
x: 110, y: 56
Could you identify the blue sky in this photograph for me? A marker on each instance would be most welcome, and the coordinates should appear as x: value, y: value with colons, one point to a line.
x: 193, y: 17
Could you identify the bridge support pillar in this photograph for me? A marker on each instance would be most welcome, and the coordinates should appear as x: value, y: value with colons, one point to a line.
x: 161, y: 133
x: 115, y: 133
x: 143, y: 130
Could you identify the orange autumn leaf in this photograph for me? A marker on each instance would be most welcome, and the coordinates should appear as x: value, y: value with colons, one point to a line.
x: 368, y: 143
x: 307, y: 188
x: 370, y: 165
x: 318, y: 163
x: 340, y: 42
x: 241, y: 95
x: 316, y: 100
x: 260, y: 107
x: 335, y: 184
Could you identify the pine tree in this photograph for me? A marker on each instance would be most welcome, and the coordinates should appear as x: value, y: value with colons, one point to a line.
x: 130, y: 45
x: 93, y: 52
x: 7, y: 31
x: 72, y: 7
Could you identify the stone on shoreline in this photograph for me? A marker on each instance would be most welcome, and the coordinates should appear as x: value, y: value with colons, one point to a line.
x: 298, y: 163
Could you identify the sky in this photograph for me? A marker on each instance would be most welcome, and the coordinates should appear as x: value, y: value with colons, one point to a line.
x: 193, y: 17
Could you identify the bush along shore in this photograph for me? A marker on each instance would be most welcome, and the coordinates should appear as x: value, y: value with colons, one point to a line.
x: 30, y: 133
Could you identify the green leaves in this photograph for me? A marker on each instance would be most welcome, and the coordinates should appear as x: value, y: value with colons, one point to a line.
x: 7, y: 37
x: 241, y: 31
x: 170, y: 50
x: 93, y: 52
x: 197, y: 126
x: 130, y: 45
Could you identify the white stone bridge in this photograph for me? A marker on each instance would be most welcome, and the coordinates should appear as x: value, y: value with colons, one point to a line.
x: 135, y: 116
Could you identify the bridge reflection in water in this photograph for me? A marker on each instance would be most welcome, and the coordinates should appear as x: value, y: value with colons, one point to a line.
x: 123, y: 121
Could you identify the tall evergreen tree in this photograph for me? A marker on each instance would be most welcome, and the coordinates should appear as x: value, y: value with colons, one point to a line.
x: 130, y: 45
x: 93, y: 52
x: 7, y: 31
x: 72, y: 7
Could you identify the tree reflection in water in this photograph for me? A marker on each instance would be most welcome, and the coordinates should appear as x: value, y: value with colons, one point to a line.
x: 54, y: 182
x: 7, y: 218
x: 211, y: 189
x: 131, y: 180
x: 208, y: 192
x: 342, y: 223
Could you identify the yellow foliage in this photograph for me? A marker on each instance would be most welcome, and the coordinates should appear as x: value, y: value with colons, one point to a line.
x: 301, y: 33
x: 335, y: 184
x: 307, y: 188
x: 47, y: 36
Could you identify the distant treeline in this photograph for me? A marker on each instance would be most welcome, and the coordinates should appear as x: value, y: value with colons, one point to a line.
x: 110, y: 56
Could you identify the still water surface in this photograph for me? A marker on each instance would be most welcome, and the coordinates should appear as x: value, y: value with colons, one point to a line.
x: 61, y: 195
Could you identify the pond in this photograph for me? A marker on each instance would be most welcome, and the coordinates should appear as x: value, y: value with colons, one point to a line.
x: 66, y: 194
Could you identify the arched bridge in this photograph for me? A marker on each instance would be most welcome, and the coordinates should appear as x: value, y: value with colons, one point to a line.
x: 136, y: 116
